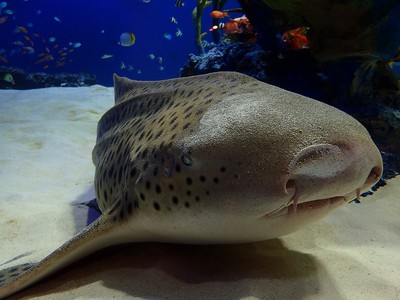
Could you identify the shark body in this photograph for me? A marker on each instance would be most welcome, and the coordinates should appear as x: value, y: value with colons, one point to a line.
x: 217, y: 158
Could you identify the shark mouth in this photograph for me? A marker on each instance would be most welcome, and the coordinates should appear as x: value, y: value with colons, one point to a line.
x: 294, y: 207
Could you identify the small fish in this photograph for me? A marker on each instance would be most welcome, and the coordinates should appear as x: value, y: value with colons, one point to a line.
x: 127, y: 39
x: 130, y: 68
x: 18, y: 43
x: 22, y: 29
x: 216, y: 14
x: 173, y: 20
x: 3, y: 4
x: 75, y: 44
x: 8, y: 12
x: 9, y: 78
x: 47, y: 57
x: 145, y: 1
x: 122, y: 65
x: 27, y: 38
x: 296, y: 39
x: 152, y: 56
x: 179, y: 3
x: 178, y: 32
x: 52, y: 39
x: 29, y: 50
x: 139, y: 71
x: 168, y: 36
x: 29, y: 25
x: 106, y: 56
x: 160, y: 60
x: 3, y: 59
x: 57, y: 19
x: 3, y: 19
x: 215, y: 27
x: 161, y: 68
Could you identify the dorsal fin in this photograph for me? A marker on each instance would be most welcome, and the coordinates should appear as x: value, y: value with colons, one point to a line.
x: 125, y: 88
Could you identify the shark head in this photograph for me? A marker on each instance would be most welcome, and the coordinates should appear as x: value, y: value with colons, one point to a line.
x: 259, y: 165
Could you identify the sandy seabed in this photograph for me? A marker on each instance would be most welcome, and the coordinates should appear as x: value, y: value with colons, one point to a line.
x: 46, y: 139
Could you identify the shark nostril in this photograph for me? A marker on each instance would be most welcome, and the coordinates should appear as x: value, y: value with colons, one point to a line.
x: 374, y: 175
x: 290, y: 186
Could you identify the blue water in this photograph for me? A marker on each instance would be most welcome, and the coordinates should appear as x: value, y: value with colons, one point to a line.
x: 97, y: 25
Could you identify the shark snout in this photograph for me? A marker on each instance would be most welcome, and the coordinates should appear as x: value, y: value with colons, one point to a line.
x: 325, y: 171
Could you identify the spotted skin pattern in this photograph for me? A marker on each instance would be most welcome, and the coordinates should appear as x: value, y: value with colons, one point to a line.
x: 217, y: 158
x: 131, y: 154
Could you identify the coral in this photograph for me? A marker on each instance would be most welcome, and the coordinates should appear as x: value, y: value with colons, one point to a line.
x: 352, y: 45
x: 298, y: 73
x: 24, y: 80
x: 339, y: 29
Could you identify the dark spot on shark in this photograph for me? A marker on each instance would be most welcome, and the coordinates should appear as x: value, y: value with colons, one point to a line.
x: 156, y: 206
x: 158, y: 189
x: 148, y: 185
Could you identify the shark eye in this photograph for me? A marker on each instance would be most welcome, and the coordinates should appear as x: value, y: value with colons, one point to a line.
x: 187, y: 160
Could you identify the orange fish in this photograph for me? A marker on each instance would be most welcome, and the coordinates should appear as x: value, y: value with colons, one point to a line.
x: 296, y: 39
x: 216, y: 14
x: 28, y: 39
x: 23, y: 29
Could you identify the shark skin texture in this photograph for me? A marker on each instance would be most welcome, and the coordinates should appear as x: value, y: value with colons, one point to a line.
x: 213, y: 159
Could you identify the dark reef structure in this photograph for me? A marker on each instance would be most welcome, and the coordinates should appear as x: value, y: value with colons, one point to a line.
x: 15, y: 78
x: 347, y: 65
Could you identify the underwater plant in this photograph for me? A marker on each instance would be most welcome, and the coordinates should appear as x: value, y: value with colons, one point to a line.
x: 197, y: 17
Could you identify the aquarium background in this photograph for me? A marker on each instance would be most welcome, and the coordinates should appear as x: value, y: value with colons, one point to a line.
x: 87, y: 30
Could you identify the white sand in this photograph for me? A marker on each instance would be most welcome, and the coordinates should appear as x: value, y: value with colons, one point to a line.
x: 46, y: 138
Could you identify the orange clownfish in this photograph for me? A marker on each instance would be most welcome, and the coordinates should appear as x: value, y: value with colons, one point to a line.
x: 296, y: 39
x: 216, y: 14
